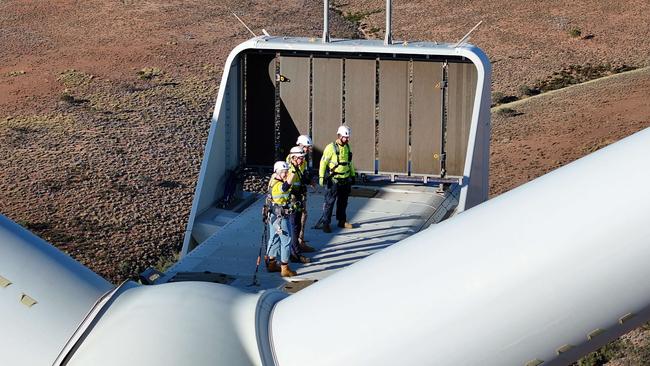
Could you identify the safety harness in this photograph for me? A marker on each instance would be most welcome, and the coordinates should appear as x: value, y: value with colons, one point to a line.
x: 331, y: 172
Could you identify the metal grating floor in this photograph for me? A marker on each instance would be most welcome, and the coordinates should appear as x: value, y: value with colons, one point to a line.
x: 392, y: 214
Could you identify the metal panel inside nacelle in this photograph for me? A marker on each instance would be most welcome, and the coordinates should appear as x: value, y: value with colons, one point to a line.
x: 409, y: 114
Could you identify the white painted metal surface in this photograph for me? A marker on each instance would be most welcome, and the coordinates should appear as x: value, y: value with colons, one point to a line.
x: 522, y: 277
x: 188, y: 323
x: 60, y: 290
x: 546, y: 272
x: 394, y: 214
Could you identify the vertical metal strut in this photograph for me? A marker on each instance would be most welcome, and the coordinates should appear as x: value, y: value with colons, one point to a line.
x: 388, y: 38
x: 244, y: 117
x: 276, y: 134
x: 326, y: 21
x: 443, y: 119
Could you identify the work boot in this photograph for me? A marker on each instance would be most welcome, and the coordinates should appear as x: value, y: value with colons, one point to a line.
x: 272, y: 266
x: 286, y: 271
x: 305, y: 248
x: 299, y: 259
x: 326, y: 228
x: 345, y: 225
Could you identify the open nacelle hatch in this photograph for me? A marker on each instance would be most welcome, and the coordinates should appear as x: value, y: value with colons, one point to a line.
x: 396, y: 105
x: 418, y: 110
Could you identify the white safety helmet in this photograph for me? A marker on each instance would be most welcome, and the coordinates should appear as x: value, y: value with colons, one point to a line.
x: 296, y: 151
x: 343, y: 131
x: 279, y: 166
x: 304, y: 140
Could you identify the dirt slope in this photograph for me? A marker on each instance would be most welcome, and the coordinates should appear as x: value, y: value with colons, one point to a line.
x: 536, y: 135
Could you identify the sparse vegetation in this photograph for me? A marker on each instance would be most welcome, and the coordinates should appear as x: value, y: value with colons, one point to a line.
x: 501, y: 98
x: 357, y: 17
x: 22, y: 129
x: 70, y: 99
x: 125, y: 268
x: 571, y: 75
x: 597, y: 145
x: 508, y: 112
x: 73, y: 78
x: 639, y: 355
x: 164, y: 262
x: 16, y: 73
x: 22, y: 223
x: 212, y: 68
x: 169, y: 184
x: 576, y: 74
x: 149, y: 73
x: 575, y: 32
x: 37, y: 122
x: 65, y: 97
x: 608, y: 352
x: 527, y: 91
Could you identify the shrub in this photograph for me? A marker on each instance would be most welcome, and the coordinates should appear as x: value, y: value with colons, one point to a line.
x: 357, y: 17
x: 125, y: 268
x: 65, y: 97
x: 149, y: 73
x: 623, y: 68
x: 528, y: 91
x: 575, y: 32
x: 70, y: 99
x: 501, y: 98
x: 165, y: 262
x: 16, y: 73
x: 508, y: 112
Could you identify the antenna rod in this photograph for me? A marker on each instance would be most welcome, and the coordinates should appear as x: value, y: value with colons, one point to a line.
x: 388, y: 39
x: 466, y: 37
x: 244, y: 24
x: 326, y: 21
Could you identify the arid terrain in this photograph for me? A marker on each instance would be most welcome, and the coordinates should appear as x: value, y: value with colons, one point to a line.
x: 105, y: 105
x: 538, y: 134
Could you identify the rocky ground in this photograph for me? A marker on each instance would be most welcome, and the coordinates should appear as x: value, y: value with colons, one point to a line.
x: 105, y: 105
x: 527, y: 42
x: 104, y: 113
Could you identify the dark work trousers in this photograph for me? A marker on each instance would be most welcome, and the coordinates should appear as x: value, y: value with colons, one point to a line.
x: 296, y: 225
x: 336, y: 192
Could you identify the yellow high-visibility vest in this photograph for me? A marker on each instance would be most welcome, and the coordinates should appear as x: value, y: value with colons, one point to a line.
x: 339, y: 164
x: 278, y: 196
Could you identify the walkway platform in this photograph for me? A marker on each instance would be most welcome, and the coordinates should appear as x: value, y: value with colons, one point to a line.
x: 382, y: 216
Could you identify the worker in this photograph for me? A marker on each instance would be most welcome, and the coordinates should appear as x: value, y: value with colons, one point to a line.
x: 337, y: 174
x: 306, y: 144
x: 296, y: 167
x: 279, y: 226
